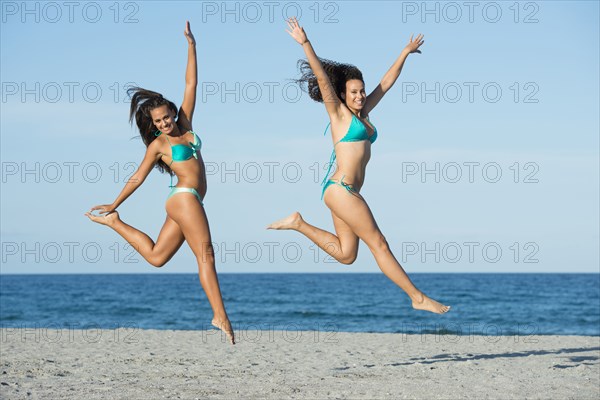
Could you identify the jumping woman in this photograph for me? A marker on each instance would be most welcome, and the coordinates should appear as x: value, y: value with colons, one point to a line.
x: 341, y: 88
x: 173, y: 147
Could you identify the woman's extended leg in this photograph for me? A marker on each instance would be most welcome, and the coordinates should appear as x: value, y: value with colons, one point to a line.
x: 343, y: 246
x: 355, y: 212
x: 168, y: 242
x: 187, y: 212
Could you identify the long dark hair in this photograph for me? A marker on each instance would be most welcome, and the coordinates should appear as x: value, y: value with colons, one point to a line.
x: 338, y: 74
x: 142, y: 102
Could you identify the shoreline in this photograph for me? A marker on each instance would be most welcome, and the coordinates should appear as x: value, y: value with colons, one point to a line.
x: 491, y: 331
x: 139, y: 363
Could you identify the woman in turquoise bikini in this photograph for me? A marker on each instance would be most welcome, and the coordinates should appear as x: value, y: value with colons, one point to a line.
x: 341, y: 88
x: 173, y: 147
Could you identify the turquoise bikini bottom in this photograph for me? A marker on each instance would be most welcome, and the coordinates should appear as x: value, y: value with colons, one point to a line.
x: 193, y: 191
x: 343, y: 184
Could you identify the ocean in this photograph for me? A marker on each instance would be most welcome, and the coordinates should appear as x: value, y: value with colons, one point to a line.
x: 482, y: 304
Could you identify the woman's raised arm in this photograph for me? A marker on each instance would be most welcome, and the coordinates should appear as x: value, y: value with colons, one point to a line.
x: 330, y: 99
x: 393, y: 73
x: 186, y: 111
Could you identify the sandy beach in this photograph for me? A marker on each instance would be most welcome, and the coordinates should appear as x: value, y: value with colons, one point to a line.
x: 142, y: 364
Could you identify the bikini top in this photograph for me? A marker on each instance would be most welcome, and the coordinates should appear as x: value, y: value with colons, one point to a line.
x: 357, y: 132
x: 183, y: 152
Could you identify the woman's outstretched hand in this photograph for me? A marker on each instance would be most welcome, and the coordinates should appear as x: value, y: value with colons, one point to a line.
x: 188, y: 34
x: 296, y: 31
x: 103, y: 209
x: 107, y: 215
x: 413, y: 45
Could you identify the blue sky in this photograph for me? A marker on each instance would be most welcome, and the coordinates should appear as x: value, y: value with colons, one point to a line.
x: 503, y: 104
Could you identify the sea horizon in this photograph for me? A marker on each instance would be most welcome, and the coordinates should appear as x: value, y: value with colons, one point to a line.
x: 494, y: 304
x: 301, y: 273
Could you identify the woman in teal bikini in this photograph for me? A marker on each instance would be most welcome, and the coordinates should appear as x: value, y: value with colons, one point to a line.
x: 173, y: 147
x: 341, y: 88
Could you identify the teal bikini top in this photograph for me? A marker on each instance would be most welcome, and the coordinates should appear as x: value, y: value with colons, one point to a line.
x: 183, y: 152
x: 357, y: 132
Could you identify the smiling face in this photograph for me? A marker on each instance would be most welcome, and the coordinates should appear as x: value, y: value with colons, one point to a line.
x: 355, y: 95
x: 164, y: 119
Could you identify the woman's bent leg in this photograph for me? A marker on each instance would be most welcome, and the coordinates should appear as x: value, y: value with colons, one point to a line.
x: 168, y: 242
x: 343, y: 246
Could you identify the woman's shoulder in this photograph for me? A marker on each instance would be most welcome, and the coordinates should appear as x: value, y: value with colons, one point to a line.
x: 157, y: 145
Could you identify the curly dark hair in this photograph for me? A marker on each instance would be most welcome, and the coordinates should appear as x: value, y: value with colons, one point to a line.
x: 338, y: 74
x: 142, y: 102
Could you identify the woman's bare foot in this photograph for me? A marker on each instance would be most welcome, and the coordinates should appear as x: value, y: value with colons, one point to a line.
x: 292, y: 221
x: 427, y: 304
x: 225, y: 326
x: 106, y: 219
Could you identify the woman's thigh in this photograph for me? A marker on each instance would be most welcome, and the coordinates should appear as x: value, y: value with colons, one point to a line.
x: 189, y: 215
x: 170, y: 237
x: 348, y: 239
x: 355, y: 213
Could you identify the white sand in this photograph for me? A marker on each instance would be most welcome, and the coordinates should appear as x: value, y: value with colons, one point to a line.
x: 142, y: 364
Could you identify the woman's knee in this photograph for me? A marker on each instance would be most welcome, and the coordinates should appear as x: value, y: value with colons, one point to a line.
x: 158, y: 260
x: 379, y: 244
x: 204, y: 253
x: 345, y: 256
x: 348, y: 258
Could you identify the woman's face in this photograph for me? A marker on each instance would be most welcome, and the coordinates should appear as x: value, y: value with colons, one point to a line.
x: 355, y: 95
x: 163, y: 118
